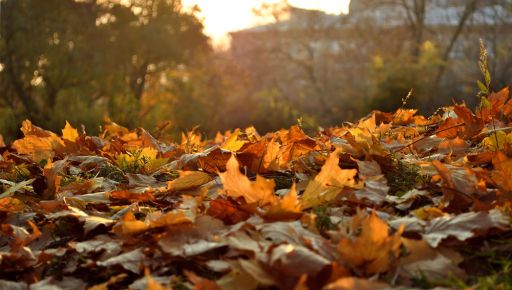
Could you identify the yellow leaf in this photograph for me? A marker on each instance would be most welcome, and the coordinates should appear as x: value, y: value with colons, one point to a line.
x: 189, y: 180
x: 69, y: 133
x: 145, y: 157
x: 374, y: 248
x: 238, y: 185
x: 495, y: 141
x: 329, y: 183
x: 232, y: 143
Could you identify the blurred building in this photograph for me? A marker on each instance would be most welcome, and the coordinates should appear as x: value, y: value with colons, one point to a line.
x: 320, y: 61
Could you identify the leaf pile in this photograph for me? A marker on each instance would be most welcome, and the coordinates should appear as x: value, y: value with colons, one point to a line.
x: 395, y: 200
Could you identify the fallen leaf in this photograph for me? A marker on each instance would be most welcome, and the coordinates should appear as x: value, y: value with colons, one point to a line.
x: 288, y: 207
x: 232, y: 143
x: 463, y: 226
x: 425, y: 261
x: 69, y: 133
x: 331, y: 180
x: 238, y: 185
x: 373, y: 249
x: 351, y: 283
x: 189, y: 180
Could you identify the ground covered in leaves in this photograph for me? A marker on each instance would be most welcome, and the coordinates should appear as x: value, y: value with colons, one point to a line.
x: 394, y: 201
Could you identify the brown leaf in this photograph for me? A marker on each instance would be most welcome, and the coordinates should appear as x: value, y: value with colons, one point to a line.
x: 294, y: 260
x: 464, y: 226
x: 426, y: 261
x: 376, y: 186
x: 227, y: 211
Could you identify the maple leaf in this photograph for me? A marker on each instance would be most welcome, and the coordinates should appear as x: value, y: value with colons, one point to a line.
x: 472, y: 124
x: 497, y: 105
x: 374, y: 248
x: 288, y: 207
x: 69, y: 133
x: 238, y: 185
x: 232, y: 143
x: 39, y: 144
x: 330, y: 182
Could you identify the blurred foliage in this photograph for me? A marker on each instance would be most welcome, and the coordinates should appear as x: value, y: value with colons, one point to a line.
x: 395, y: 78
x: 148, y: 63
x: 85, y: 60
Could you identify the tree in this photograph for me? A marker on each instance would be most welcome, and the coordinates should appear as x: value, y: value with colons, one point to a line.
x: 95, y: 52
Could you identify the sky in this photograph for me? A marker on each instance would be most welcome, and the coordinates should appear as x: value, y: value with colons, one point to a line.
x: 223, y: 16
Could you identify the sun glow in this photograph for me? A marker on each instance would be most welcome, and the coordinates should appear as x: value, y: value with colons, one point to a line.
x: 223, y: 16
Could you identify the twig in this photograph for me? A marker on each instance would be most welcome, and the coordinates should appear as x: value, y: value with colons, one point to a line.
x: 426, y: 136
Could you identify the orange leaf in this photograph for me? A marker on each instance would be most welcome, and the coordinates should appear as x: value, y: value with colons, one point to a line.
x: 502, y: 173
x: 69, y: 133
x: 373, y: 248
x: 286, y: 208
x: 329, y: 183
x: 189, y: 180
x: 129, y: 225
x: 237, y: 185
x: 132, y: 196
x: 39, y: 144
x: 472, y: 124
x: 10, y: 204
